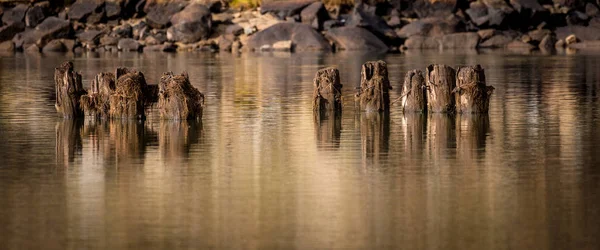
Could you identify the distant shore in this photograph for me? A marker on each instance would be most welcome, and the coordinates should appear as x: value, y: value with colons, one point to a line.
x: 297, y: 25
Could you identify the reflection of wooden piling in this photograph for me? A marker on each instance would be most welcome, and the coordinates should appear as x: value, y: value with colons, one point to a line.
x: 68, y: 90
x: 177, y: 137
x: 328, y: 128
x: 374, y: 87
x: 440, y: 80
x: 413, y: 97
x: 375, y: 134
x: 471, y: 134
x: 471, y: 93
x: 68, y: 140
x: 328, y: 90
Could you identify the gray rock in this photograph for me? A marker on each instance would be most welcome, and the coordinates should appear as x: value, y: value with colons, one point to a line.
x: 584, y: 33
x: 109, y: 40
x: 123, y: 31
x: 432, y: 8
x: 128, y: 44
x: 314, y: 13
x: 303, y: 37
x: 465, y: 40
x: 35, y: 15
x: 15, y: 15
x: 225, y: 43
x: 54, y: 46
x: 234, y: 29
x: 191, y: 24
x: 547, y: 43
x: 364, y: 16
x: 284, y: 9
x: 7, y: 32
x: 90, y: 37
x: 112, y: 9
x: 7, y: 46
x: 539, y: 34
x: 82, y: 9
x: 158, y: 13
x: 497, y: 41
x: 352, y: 38
x: 166, y: 47
x: 430, y: 27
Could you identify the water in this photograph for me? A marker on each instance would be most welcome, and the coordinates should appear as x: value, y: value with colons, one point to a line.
x: 260, y: 172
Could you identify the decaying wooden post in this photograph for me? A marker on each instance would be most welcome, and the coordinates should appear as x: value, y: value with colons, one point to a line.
x: 374, y: 87
x: 440, y: 81
x: 471, y: 93
x: 413, y: 97
x: 128, y: 99
x: 327, y: 95
x: 97, y: 102
x: 178, y: 99
x: 69, y: 90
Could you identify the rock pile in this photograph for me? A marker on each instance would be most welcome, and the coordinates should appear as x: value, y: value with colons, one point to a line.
x: 297, y: 25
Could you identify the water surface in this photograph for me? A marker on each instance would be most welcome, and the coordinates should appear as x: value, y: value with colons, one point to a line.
x: 260, y: 172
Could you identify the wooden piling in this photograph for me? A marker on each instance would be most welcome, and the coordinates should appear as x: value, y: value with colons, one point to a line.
x: 472, y: 95
x: 69, y: 90
x: 414, y: 98
x: 327, y: 95
x: 374, y: 87
x: 440, y: 81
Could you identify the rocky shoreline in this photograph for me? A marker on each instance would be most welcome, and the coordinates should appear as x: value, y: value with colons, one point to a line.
x: 35, y: 26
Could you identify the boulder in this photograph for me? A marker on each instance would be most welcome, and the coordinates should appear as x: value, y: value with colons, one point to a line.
x: 284, y: 9
x: 571, y: 39
x: 584, y: 33
x: 128, y: 44
x: 159, y: 13
x: 364, y: 16
x: 191, y: 24
x: 519, y: 45
x: 112, y: 9
x: 91, y: 37
x: 32, y: 49
x: 433, y: 26
x: 15, y: 15
x: 303, y: 37
x: 51, y: 28
x: 225, y: 42
x: 489, y: 12
x: 315, y: 14
x: 497, y: 41
x: 109, y: 40
x: 464, y: 40
x: 123, y: 31
x: 434, y: 8
x: 282, y: 46
x: 69, y: 44
x: 35, y: 15
x: 353, y: 38
x: 585, y: 45
x: 7, y: 32
x: 7, y: 46
x: 486, y: 33
x: 165, y: 47
x: 234, y: 29
x: 178, y: 99
x: 538, y: 34
x: 140, y: 29
x: 82, y: 9
x: 54, y: 46
x: 591, y: 10
x: 547, y: 43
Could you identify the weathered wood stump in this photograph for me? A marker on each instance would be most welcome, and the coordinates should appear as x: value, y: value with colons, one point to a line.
x: 96, y: 103
x: 178, y: 99
x: 414, y: 98
x: 374, y: 87
x: 128, y: 99
x: 69, y: 90
x: 471, y: 92
x: 440, y: 81
x: 327, y: 95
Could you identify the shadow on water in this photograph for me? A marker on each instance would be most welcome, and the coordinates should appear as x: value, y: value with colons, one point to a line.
x: 328, y: 129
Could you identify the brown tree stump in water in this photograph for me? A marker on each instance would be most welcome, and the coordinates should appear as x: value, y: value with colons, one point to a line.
x: 471, y: 93
x: 440, y: 80
x: 414, y: 98
x: 69, y: 90
x: 128, y: 99
x: 327, y: 95
x: 97, y: 102
x: 178, y: 99
x: 374, y: 87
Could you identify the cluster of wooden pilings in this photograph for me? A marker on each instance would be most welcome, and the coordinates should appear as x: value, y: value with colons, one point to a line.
x: 125, y: 94
x: 441, y: 89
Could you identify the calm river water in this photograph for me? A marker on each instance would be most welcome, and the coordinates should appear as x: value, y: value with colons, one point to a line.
x: 260, y: 172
